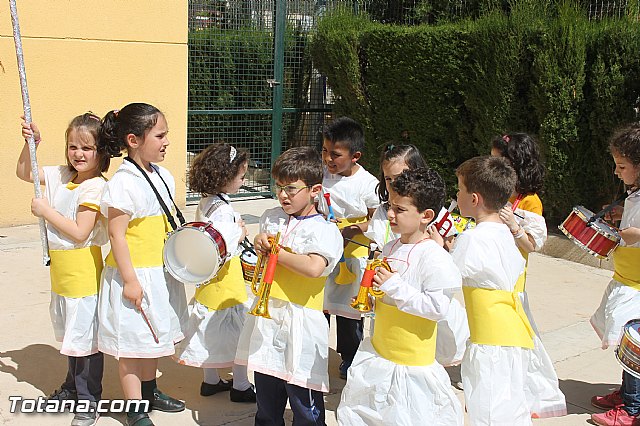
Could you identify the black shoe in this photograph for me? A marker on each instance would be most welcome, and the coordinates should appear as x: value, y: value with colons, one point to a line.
x: 139, y: 419
x: 344, y: 366
x: 207, y: 389
x: 248, y: 395
x: 163, y: 402
x: 63, y: 394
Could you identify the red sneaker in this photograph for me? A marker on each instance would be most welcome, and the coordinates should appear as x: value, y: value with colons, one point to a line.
x: 607, y: 402
x: 615, y: 417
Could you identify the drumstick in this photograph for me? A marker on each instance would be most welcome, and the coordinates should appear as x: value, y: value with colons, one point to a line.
x: 144, y: 316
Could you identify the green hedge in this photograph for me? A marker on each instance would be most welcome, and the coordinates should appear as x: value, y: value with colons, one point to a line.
x: 450, y: 88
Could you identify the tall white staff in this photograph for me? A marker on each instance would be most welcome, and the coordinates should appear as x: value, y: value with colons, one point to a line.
x: 27, y: 117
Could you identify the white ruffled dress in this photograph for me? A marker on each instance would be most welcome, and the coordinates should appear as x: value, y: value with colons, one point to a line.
x: 123, y: 332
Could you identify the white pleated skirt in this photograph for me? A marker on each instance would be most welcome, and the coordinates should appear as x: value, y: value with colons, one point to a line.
x: 380, y: 392
x: 544, y: 396
x: 618, y: 306
x: 211, y: 337
x: 122, y: 330
x: 75, y: 324
x: 293, y: 345
x: 494, y: 381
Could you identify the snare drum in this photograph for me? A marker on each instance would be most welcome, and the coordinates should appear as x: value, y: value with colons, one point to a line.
x: 248, y: 260
x: 628, y: 353
x: 194, y: 252
x: 597, y: 238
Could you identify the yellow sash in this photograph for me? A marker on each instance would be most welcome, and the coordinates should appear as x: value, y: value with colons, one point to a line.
x: 496, y: 318
x: 403, y: 338
x: 626, y: 265
x: 227, y: 289
x: 519, y: 287
x: 298, y: 289
x: 145, y: 238
x: 76, y: 273
x: 351, y: 249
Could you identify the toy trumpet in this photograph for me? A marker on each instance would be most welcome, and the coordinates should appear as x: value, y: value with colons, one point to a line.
x: 261, y: 282
x: 345, y: 276
x: 362, y: 303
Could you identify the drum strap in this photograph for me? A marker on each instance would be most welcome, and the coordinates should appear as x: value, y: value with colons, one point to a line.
x: 164, y: 207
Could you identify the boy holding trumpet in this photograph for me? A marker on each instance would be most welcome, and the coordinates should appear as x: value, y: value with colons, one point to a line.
x: 394, y: 377
x: 286, y: 341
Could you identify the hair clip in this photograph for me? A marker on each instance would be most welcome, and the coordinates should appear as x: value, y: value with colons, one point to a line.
x: 506, y: 138
x: 116, y: 112
x: 232, y: 154
x: 92, y: 115
x: 389, y: 147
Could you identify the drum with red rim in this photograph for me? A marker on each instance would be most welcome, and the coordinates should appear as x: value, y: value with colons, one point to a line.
x: 628, y: 353
x: 194, y: 253
x: 597, y: 238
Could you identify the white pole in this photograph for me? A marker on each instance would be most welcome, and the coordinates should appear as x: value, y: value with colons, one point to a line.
x: 27, y: 117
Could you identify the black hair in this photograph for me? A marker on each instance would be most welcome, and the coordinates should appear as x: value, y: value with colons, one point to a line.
x: 135, y: 118
x: 346, y: 132
x: 424, y: 186
x: 303, y: 162
x: 522, y: 152
x: 391, y: 152
x: 212, y: 169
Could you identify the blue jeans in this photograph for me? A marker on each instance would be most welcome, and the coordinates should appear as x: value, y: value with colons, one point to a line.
x: 271, y: 397
x: 630, y: 393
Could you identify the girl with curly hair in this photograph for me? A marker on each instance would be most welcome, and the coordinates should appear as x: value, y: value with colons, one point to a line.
x: 219, y: 307
x: 523, y: 216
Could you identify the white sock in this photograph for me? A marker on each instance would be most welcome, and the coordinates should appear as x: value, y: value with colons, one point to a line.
x: 240, y: 379
x: 211, y: 375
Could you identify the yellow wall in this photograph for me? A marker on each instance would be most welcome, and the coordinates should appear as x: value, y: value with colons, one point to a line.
x: 95, y: 55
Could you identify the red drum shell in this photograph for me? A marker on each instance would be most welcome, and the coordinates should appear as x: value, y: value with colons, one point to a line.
x: 597, y: 238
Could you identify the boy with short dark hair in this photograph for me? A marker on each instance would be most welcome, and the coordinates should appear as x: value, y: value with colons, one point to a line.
x: 494, y: 368
x: 352, y: 192
x: 289, y: 352
x: 394, y: 378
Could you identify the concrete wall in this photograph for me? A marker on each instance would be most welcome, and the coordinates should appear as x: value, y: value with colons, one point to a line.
x: 83, y: 55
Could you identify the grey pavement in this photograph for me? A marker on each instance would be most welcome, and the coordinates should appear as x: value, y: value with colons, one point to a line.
x: 563, y: 294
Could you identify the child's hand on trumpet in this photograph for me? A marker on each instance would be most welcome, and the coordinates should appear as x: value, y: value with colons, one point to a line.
x: 381, y: 276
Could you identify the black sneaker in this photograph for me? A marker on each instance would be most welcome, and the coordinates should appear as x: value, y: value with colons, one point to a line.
x: 207, y: 389
x: 163, y: 402
x: 248, y: 395
x: 63, y: 394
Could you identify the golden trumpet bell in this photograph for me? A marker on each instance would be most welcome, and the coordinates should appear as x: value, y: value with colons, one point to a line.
x: 362, y: 302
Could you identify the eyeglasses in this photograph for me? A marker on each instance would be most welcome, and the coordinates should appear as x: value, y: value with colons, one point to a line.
x: 290, y: 190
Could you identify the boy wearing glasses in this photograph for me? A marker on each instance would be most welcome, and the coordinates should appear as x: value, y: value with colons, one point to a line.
x: 353, y: 197
x: 289, y: 352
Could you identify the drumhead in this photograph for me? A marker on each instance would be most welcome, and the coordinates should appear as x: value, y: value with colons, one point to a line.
x: 191, y: 255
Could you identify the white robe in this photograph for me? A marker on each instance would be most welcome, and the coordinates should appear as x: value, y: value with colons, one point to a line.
x: 381, y: 392
x: 493, y: 377
x: 293, y: 345
x: 351, y: 197
x: 122, y: 331
x: 620, y: 303
x: 74, y: 319
x: 453, y: 330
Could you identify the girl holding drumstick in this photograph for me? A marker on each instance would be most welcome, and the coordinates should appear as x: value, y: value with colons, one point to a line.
x: 621, y: 300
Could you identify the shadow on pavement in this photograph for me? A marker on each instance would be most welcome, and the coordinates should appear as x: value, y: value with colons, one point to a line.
x: 581, y: 393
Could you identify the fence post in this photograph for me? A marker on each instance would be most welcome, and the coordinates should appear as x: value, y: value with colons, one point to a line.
x: 280, y: 26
